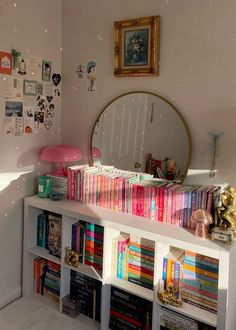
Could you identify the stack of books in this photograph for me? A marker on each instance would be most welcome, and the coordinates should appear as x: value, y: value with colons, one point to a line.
x: 173, y: 269
x: 128, y: 311
x: 71, y: 306
x: 58, y: 185
x: 54, y: 234
x: 47, y: 278
x: 87, y: 291
x: 200, y: 281
x: 141, y: 261
x: 94, y: 245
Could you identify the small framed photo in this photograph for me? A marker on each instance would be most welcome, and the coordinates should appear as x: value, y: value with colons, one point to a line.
x: 30, y: 87
x: 137, y: 47
x: 46, y: 70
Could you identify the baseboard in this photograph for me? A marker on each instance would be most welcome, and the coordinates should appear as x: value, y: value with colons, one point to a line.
x: 7, y: 299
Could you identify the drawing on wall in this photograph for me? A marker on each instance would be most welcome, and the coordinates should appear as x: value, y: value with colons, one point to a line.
x: 91, y: 74
x: 28, y: 125
x: 39, y: 119
x: 5, y: 63
x: 81, y: 71
x: 46, y: 70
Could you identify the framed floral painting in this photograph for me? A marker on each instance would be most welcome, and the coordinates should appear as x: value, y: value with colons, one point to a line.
x: 137, y: 47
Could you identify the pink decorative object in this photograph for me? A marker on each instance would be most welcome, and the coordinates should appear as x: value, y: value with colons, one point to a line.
x: 202, y: 219
x: 96, y: 153
x: 60, y: 154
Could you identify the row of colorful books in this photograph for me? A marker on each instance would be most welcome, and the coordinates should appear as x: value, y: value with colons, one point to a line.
x: 194, y: 276
x: 87, y: 291
x: 87, y: 238
x: 128, y: 311
x: 139, y: 193
x: 47, y: 278
x: 49, y: 229
x: 133, y: 259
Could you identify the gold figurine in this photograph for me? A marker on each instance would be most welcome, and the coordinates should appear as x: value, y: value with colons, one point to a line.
x: 169, y: 296
x: 72, y: 257
x: 225, y: 216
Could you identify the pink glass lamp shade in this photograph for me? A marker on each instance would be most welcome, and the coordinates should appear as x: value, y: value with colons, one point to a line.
x: 60, y: 154
x: 96, y: 153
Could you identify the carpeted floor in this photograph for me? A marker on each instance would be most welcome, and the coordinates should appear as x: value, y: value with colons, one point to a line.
x: 28, y: 313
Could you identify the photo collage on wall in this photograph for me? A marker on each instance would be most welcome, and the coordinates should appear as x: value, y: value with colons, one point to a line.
x: 30, y: 89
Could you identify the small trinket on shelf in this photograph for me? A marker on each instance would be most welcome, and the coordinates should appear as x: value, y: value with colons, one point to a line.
x: 72, y: 257
x: 202, y: 219
x: 168, y: 297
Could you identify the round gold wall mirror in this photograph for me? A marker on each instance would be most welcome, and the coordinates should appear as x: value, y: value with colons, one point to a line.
x: 142, y: 132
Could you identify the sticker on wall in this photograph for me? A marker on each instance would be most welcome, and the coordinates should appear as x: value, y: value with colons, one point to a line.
x: 35, y: 67
x: 5, y: 63
x: 28, y: 125
x: 46, y: 70
x: 41, y: 103
x: 56, y: 78
x: 91, y: 75
x: 80, y: 70
x: 39, y: 119
x: 48, y: 124
x: 13, y: 87
x: 13, y: 109
x: 49, y: 98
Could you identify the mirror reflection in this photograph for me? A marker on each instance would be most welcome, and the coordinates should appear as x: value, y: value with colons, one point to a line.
x: 142, y: 132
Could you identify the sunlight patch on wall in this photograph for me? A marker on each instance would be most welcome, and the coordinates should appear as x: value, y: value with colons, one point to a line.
x: 7, y: 177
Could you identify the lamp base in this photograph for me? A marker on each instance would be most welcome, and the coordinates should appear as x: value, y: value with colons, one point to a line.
x: 61, y: 170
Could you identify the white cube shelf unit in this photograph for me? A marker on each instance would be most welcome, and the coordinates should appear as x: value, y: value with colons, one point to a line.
x: 164, y: 235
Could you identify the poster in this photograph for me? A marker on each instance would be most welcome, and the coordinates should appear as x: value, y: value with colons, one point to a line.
x: 5, y: 63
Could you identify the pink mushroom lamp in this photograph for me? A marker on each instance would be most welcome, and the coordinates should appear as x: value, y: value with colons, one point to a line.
x: 60, y: 154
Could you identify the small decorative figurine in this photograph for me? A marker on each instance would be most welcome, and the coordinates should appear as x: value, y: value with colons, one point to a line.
x: 202, y: 219
x: 169, y: 296
x: 225, y: 216
x: 72, y: 257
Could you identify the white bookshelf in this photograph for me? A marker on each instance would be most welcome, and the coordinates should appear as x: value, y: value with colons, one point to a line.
x: 164, y: 235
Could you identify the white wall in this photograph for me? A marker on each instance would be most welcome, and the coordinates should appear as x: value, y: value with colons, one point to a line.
x: 197, y: 71
x: 19, y: 161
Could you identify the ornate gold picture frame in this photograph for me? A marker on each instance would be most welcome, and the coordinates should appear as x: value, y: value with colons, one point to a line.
x: 137, y: 47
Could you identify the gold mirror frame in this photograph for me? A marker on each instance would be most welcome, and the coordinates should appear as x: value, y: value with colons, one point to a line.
x: 90, y: 157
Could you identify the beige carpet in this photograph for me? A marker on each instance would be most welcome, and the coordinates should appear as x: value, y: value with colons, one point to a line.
x: 31, y: 314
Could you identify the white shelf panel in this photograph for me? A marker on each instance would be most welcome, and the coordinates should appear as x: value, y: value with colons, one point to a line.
x: 44, y: 253
x: 194, y: 312
x: 86, y: 270
x: 161, y: 232
x: 135, y: 289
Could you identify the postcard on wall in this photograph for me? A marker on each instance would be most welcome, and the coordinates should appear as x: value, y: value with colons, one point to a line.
x: 30, y: 87
x: 13, y: 87
x: 5, y: 63
x: 13, y: 126
x: 13, y: 109
x: 28, y: 125
x: 19, y: 63
x: 35, y: 67
x: 39, y: 88
x: 46, y: 70
x: 81, y: 71
x: 19, y: 126
x: 48, y: 89
x: 29, y: 106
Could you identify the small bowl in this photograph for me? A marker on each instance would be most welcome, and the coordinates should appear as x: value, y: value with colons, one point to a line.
x: 56, y: 196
